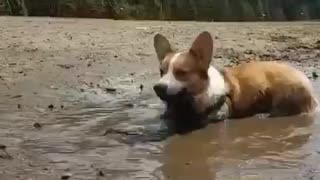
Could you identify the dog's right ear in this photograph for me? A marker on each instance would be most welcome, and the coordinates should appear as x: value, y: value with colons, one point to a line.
x: 162, y: 46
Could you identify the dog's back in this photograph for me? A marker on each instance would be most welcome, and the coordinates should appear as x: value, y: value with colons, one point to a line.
x: 273, y: 87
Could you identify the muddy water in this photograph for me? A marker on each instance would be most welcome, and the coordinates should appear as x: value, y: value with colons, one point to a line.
x: 119, y: 135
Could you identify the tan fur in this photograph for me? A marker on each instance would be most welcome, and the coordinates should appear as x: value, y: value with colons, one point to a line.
x: 185, y: 69
x: 190, y: 66
x: 268, y: 87
x: 251, y: 88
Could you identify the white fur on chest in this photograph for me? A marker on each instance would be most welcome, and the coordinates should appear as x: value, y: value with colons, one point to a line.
x: 215, y: 90
x: 217, y: 86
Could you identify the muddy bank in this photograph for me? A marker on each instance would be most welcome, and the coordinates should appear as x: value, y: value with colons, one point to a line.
x: 76, y: 99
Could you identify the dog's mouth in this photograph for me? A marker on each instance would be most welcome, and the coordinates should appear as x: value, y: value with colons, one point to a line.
x: 182, y: 97
x: 181, y: 114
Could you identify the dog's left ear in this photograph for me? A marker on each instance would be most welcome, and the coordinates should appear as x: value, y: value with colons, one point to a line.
x: 162, y: 46
x: 202, y: 48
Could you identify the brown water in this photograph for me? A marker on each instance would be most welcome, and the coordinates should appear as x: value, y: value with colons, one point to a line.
x: 74, y: 140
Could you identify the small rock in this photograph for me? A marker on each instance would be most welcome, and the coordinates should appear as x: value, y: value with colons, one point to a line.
x: 53, y: 87
x: 19, y: 106
x: 129, y: 105
x: 315, y: 75
x: 141, y: 87
x: 3, y: 147
x: 66, y: 66
x: 249, y: 51
x: 89, y: 64
x: 12, y: 64
x: 66, y: 176
x: 33, y: 165
x: 111, y: 89
x: 16, y: 96
x: 4, y: 154
x: 37, y: 125
x: 51, y: 106
x: 81, y: 90
x: 62, y: 106
x: 115, y: 56
x: 100, y: 173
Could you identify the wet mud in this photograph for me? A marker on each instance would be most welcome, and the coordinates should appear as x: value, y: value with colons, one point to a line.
x: 77, y: 103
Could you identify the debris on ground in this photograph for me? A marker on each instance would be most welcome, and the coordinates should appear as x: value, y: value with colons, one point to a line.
x: 111, y: 90
x: 66, y: 176
x: 51, y: 106
x: 4, y: 154
x: 37, y: 125
x: 66, y: 66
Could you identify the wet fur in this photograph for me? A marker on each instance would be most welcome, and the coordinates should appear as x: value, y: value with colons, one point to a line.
x: 250, y: 88
x: 272, y: 87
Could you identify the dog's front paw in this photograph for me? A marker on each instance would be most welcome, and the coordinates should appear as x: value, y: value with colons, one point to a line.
x: 219, y: 114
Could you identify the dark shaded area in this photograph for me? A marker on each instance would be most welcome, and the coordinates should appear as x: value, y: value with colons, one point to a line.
x: 202, y: 10
x: 181, y: 116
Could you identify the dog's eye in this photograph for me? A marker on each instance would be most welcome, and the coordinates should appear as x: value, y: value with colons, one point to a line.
x: 161, y: 72
x: 181, y: 73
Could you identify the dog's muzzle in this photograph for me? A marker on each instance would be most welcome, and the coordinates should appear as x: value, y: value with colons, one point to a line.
x: 161, y: 91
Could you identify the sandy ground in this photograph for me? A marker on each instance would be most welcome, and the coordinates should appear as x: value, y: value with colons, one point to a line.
x: 50, y: 67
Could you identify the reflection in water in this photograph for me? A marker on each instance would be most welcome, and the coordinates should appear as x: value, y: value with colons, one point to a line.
x: 224, y: 150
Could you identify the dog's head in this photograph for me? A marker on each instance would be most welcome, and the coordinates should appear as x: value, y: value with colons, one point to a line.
x: 183, y: 72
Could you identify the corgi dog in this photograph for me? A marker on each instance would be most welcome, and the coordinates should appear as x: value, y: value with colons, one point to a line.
x: 269, y: 87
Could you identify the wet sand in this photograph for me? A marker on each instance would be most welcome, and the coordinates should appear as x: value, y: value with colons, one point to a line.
x: 72, y: 104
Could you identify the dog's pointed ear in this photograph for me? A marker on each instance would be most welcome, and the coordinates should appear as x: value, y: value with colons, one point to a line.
x: 202, y: 48
x: 162, y: 46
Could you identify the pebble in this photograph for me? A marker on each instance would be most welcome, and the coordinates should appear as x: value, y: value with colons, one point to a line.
x: 16, y: 96
x: 315, y: 75
x: 37, y: 125
x: 100, y: 173
x: 141, y: 87
x: 3, y: 147
x: 66, y: 66
x: 53, y: 87
x: 111, y: 89
x: 66, y: 176
x: 51, y: 107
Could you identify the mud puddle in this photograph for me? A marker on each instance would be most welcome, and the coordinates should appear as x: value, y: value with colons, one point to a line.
x: 67, y: 110
x: 119, y: 135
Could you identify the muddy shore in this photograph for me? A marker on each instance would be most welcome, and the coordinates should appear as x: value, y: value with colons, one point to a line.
x: 66, y: 84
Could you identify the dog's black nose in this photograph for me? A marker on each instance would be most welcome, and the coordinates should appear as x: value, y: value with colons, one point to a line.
x: 161, y: 90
